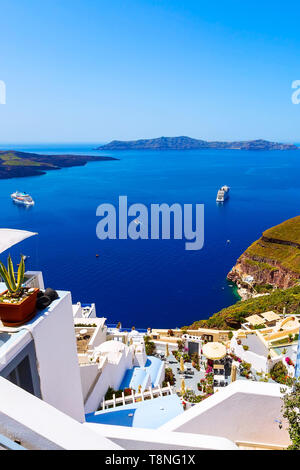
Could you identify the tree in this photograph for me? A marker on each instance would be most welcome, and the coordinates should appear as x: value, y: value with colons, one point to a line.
x: 291, y: 411
x: 150, y: 347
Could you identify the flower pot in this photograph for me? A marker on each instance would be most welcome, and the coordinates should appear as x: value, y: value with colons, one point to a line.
x: 16, y: 314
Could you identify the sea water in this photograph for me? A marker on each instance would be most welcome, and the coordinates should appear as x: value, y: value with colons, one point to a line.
x: 146, y: 283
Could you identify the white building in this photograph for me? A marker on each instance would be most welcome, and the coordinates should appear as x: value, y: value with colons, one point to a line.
x: 46, y: 391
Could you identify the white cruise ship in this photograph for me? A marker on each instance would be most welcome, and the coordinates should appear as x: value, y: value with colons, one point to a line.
x: 223, y: 194
x: 22, y: 198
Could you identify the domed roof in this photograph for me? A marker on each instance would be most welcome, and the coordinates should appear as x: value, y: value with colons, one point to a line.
x: 111, y: 346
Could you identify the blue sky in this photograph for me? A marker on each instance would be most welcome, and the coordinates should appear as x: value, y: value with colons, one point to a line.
x: 96, y: 70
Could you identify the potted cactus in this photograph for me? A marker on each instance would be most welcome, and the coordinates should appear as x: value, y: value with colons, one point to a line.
x: 17, y: 303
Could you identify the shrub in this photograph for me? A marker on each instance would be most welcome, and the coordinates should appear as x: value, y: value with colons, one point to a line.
x: 279, y: 373
x: 291, y: 402
x: 169, y: 377
x: 191, y: 397
x: 245, y: 347
x: 150, y: 348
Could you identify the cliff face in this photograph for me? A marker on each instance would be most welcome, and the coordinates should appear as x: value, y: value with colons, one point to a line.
x: 264, y: 271
x: 273, y: 259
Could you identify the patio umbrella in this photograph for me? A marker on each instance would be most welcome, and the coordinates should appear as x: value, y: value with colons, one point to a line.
x: 182, y: 391
x: 167, y: 350
x: 233, y: 373
x: 214, y: 351
x: 181, y: 364
x: 10, y: 237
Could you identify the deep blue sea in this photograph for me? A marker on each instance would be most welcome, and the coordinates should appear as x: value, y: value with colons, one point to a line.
x: 153, y: 283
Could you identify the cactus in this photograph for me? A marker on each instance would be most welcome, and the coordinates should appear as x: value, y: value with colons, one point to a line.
x: 13, y: 285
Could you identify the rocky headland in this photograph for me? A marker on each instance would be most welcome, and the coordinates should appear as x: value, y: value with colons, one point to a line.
x: 15, y: 164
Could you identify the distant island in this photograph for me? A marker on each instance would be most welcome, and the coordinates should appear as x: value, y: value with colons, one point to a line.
x: 19, y: 164
x: 187, y: 143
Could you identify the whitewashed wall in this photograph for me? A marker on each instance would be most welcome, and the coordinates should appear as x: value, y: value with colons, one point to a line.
x: 259, y: 363
x: 111, y: 376
x: 39, y: 426
x: 56, y: 351
x: 244, y: 411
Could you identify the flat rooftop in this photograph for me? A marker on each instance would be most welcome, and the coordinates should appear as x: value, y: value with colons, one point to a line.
x: 255, y: 345
x: 147, y: 414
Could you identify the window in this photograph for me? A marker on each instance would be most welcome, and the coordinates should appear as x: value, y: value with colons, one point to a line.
x: 22, y: 371
x: 21, y: 376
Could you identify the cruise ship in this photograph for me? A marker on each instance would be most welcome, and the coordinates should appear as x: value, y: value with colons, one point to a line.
x: 22, y: 198
x: 223, y: 194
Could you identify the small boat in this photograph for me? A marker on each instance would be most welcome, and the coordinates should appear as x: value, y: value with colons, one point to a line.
x: 223, y: 194
x: 22, y: 198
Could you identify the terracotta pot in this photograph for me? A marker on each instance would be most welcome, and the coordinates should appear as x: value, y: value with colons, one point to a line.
x: 18, y: 314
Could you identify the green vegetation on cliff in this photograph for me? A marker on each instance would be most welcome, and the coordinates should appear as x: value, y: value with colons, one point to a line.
x: 273, y: 261
x: 18, y: 164
x: 280, y: 245
x: 233, y: 315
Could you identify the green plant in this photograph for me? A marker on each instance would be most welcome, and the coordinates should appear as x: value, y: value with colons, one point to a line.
x: 290, y: 411
x: 245, y: 347
x: 14, y: 286
x: 169, y: 377
x: 191, y: 397
x: 150, y: 348
x: 279, y: 373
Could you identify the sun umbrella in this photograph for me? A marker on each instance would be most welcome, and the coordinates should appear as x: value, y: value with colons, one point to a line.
x: 181, y: 364
x: 10, y: 237
x: 167, y: 350
x: 214, y: 350
x: 233, y: 373
x: 182, y: 391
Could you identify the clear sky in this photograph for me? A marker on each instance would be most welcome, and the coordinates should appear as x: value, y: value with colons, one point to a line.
x: 96, y: 70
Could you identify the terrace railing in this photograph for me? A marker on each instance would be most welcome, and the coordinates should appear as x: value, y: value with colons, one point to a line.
x: 151, y: 394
